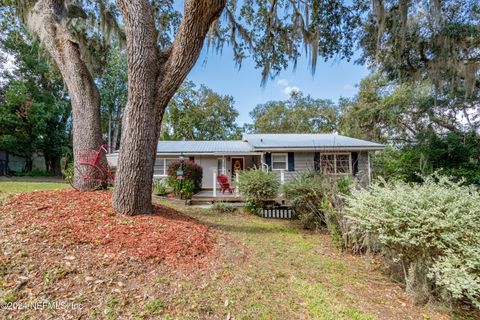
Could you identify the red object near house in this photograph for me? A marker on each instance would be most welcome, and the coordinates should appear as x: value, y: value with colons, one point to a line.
x: 224, y: 184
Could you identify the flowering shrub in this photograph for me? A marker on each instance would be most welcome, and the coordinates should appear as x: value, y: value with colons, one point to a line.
x: 432, y: 229
x: 191, y: 171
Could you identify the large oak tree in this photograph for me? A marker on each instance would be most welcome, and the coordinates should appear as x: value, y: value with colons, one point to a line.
x: 273, y: 33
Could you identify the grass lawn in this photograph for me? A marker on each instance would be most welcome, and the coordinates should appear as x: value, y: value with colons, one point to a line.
x: 265, y: 269
x: 11, y: 187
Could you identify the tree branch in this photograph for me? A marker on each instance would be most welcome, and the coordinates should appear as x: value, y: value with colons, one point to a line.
x: 197, y: 19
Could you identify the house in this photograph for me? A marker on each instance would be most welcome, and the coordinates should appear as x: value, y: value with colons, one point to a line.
x: 285, y: 154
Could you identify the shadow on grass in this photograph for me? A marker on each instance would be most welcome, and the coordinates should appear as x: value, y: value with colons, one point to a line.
x: 252, y: 227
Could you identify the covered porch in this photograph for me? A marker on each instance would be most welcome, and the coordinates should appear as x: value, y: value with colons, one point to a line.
x: 227, y: 164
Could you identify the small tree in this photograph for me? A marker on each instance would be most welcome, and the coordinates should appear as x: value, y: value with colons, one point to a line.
x: 258, y: 187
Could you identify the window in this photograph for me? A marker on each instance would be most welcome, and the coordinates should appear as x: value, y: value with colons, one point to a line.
x: 279, y: 161
x: 336, y: 163
x: 161, y: 166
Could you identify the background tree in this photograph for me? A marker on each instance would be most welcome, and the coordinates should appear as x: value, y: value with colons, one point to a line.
x: 113, y: 86
x: 298, y: 114
x: 200, y: 114
x: 400, y: 114
x: 34, y: 112
x: 433, y: 43
x: 75, y: 34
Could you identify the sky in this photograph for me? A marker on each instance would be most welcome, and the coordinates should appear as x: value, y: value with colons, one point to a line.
x: 332, y: 80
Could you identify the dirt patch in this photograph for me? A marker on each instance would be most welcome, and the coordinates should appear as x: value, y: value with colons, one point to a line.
x: 69, y: 216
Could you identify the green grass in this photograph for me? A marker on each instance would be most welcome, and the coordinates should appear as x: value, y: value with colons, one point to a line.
x: 283, y: 276
x: 11, y: 187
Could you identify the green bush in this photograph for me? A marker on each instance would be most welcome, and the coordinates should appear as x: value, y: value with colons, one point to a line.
x: 431, y: 229
x: 222, y: 207
x: 187, y: 189
x: 317, y: 202
x: 191, y: 171
x: 160, y: 187
x: 308, y: 193
x: 68, y: 173
x: 258, y: 187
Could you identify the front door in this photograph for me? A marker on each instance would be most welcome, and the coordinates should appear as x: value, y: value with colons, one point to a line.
x: 237, y: 165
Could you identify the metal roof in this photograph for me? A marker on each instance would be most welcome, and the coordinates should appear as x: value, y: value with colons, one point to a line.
x: 233, y: 146
x: 257, y: 142
x: 306, y: 141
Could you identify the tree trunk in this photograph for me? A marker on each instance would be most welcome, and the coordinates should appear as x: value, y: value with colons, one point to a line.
x: 116, y: 128
x: 48, y: 19
x: 153, y: 78
x: 133, y: 180
x: 56, y: 166
x: 28, y: 164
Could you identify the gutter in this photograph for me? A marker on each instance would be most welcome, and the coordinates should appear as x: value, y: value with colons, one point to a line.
x: 280, y: 149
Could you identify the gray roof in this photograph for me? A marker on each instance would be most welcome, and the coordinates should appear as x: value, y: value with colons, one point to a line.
x: 315, y: 141
x: 254, y: 142
x: 233, y: 146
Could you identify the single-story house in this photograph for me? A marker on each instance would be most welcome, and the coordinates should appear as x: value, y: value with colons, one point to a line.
x: 285, y: 154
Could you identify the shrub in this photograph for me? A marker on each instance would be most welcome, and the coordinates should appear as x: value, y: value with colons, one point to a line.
x: 309, y: 195
x: 431, y: 229
x: 317, y: 201
x: 222, y: 207
x: 187, y: 189
x: 191, y: 171
x: 160, y: 187
x: 68, y: 173
x: 258, y: 187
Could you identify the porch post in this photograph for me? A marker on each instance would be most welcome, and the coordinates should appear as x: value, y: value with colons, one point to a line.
x: 215, y: 183
x: 282, y: 176
x: 236, y: 184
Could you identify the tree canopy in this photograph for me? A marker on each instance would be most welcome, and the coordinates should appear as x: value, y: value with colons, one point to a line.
x: 34, y: 111
x: 200, y: 114
x: 431, y: 44
x: 298, y: 114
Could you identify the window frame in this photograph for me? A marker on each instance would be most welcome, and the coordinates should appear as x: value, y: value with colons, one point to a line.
x: 350, y: 169
x: 286, y: 161
x: 165, y: 169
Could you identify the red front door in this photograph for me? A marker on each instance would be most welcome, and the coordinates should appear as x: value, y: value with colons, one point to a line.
x: 237, y: 165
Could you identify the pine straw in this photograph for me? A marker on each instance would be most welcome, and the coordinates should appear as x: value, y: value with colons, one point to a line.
x: 165, y: 236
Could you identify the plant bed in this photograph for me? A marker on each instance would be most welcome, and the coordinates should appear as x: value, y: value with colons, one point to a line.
x: 86, y: 218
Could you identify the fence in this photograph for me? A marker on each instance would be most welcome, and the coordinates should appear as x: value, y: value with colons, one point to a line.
x: 279, y: 213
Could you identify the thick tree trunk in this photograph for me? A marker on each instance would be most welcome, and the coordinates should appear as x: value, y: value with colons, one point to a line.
x: 153, y: 78
x: 133, y: 181
x: 48, y: 20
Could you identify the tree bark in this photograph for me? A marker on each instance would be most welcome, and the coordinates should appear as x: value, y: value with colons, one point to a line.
x: 48, y: 19
x: 153, y: 78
